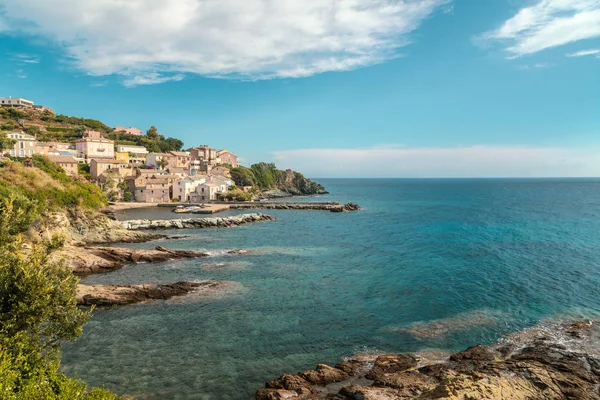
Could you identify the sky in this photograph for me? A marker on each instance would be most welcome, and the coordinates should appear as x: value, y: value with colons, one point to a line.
x: 332, y: 88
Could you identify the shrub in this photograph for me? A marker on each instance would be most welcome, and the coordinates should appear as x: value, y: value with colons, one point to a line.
x: 39, y: 312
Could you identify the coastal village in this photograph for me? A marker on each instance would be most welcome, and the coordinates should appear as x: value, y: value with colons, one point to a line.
x: 130, y: 172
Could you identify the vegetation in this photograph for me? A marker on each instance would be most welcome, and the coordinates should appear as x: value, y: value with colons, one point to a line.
x: 154, y: 142
x: 5, y: 142
x: 64, y: 128
x: 235, y: 194
x: 39, y: 312
x: 45, y: 187
x: 266, y: 176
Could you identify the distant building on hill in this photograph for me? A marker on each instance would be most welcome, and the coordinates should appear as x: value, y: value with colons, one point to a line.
x: 24, y: 144
x: 67, y: 163
x: 227, y: 157
x: 16, y: 102
x: 130, y: 130
x: 94, y: 145
x: 204, y: 153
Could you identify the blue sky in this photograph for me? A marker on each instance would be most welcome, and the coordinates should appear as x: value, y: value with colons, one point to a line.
x: 353, y: 88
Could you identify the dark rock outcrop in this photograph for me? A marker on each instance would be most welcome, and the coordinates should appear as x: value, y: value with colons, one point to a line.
x: 119, y: 295
x: 538, y: 366
x: 96, y: 260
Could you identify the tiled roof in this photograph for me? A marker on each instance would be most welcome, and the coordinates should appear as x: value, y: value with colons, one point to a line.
x: 63, y: 159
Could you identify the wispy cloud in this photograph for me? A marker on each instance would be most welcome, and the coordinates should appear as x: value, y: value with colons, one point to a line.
x: 583, y: 53
x: 99, y: 84
x: 151, y: 79
x: 528, y: 67
x: 469, y: 161
x: 21, y: 74
x: 547, y: 24
x: 21, y: 58
x: 239, y: 39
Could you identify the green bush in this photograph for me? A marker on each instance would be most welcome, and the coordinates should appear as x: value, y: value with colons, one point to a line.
x: 39, y: 313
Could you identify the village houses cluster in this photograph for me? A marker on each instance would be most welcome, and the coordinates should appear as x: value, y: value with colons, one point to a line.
x: 195, y: 176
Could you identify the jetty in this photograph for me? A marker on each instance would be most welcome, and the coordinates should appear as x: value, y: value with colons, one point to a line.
x: 216, y: 207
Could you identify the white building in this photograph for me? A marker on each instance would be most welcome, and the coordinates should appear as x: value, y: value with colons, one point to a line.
x: 154, y: 159
x: 183, y: 188
x: 15, y: 102
x: 24, y: 146
x: 210, y: 189
x: 126, y: 148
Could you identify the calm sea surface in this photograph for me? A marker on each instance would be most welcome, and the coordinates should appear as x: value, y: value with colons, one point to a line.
x: 428, y: 264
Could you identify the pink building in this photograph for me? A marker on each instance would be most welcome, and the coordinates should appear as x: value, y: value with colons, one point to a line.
x: 227, y: 157
x: 94, y: 145
x: 131, y: 130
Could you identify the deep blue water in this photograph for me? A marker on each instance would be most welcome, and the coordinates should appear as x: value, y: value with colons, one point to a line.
x: 440, y: 264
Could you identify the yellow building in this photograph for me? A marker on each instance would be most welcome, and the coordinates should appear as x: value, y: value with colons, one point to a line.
x: 122, y: 156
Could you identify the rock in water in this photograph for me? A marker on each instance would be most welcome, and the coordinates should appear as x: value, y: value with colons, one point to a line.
x: 539, y: 367
x: 119, y: 295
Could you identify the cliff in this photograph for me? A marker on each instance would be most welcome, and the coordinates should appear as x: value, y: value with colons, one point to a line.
x: 273, y: 182
x: 55, y: 205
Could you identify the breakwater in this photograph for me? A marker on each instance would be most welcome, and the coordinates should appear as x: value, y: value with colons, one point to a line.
x: 195, y: 223
x: 330, y: 206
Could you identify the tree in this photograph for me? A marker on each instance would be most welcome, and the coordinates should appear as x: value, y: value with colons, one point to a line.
x: 80, y: 130
x: 5, y: 142
x: 174, y: 144
x: 152, y: 133
x: 38, y: 311
x: 162, y: 163
x: 32, y: 130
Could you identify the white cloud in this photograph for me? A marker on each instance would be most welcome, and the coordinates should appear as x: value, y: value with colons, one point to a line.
x: 245, y: 39
x: 583, y: 53
x: 419, y: 162
x: 150, y: 78
x: 548, y: 23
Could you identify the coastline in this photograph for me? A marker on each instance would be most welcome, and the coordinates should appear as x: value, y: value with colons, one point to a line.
x: 544, y: 361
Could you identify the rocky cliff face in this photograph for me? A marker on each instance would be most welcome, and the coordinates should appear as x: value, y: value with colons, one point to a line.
x: 296, y: 184
x: 547, y: 362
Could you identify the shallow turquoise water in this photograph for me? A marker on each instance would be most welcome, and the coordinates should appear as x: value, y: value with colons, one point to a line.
x: 428, y: 264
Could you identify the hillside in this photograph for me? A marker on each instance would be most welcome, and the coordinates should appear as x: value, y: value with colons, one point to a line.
x: 53, y: 202
x: 267, y: 177
x: 48, y: 127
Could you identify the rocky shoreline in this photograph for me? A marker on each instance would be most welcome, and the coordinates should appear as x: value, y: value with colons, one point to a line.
x: 333, y: 207
x: 120, y: 295
x: 195, y: 223
x: 538, y: 363
x: 106, y: 259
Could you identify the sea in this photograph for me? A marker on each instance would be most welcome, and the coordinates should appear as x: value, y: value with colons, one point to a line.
x: 427, y: 265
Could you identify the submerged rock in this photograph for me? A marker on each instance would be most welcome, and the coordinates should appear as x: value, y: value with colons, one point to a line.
x: 119, y: 295
x: 537, y: 367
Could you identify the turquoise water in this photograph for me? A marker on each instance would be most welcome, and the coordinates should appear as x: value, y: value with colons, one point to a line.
x: 428, y: 264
